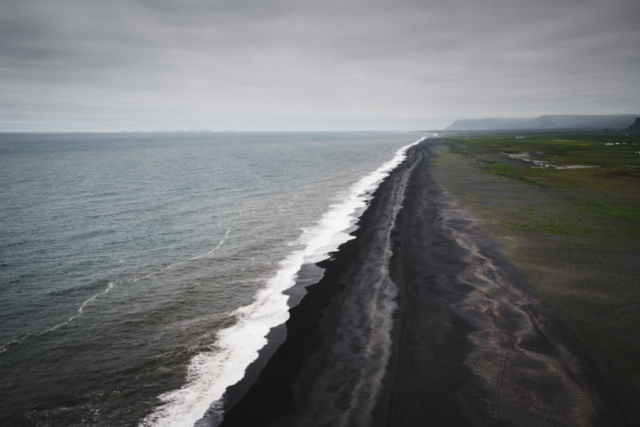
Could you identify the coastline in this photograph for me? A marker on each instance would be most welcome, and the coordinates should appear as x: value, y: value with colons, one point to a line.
x: 468, y: 343
x: 185, y: 255
x: 242, y: 349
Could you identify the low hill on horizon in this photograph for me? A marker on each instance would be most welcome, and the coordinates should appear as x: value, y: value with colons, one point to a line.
x: 614, y: 121
x: 635, y: 126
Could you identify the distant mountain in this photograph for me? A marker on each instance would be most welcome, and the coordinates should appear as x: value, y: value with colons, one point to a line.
x: 635, y: 126
x: 617, y: 121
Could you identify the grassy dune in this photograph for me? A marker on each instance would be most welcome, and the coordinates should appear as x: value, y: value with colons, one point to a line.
x: 574, y: 233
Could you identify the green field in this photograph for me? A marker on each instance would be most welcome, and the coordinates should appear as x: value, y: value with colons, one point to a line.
x: 605, y: 185
x: 573, y: 233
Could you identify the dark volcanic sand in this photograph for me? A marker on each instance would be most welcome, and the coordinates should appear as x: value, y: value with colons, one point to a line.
x: 418, y: 321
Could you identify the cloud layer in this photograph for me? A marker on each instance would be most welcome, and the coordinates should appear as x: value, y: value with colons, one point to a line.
x: 295, y: 65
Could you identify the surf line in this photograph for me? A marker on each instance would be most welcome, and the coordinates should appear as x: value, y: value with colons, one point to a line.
x: 19, y: 340
x: 211, y: 372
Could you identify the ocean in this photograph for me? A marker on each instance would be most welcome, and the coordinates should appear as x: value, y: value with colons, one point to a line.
x: 140, y: 272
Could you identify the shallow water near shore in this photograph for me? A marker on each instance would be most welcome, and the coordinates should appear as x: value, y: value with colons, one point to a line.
x: 124, y: 255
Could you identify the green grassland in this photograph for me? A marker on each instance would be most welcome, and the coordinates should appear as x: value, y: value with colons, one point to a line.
x: 611, y: 162
x: 574, y: 233
x: 604, y: 193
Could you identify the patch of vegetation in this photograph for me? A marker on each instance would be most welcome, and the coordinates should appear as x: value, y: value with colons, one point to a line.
x: 574, y: 233
x: 628, y: 212
x: 540, y: 227
x: 558, y: 219
x: 506, y: 170
x: 529, y: 175
x: 605, y: 150
x: 601, y: 202
x: 604, y: 193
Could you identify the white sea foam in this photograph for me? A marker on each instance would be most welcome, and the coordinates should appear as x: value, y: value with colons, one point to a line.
x: 210, y: 373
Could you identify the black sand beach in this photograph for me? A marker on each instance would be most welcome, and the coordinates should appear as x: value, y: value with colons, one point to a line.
x: 419, y: 320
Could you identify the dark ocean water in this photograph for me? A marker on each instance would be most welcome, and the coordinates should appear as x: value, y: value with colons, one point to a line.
x: 139, y: 273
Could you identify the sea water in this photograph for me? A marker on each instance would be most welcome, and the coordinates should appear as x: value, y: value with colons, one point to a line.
x: 140, y: 273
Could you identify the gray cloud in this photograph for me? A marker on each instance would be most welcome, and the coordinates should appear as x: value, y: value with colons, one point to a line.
x: 256, y: 65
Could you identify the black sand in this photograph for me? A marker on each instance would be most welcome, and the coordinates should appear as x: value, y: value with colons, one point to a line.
x: 419, y: 321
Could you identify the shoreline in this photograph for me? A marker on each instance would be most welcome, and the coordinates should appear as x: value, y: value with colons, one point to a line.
x: 311, y: 323
x: 258, y: 325
x: 467, y: 331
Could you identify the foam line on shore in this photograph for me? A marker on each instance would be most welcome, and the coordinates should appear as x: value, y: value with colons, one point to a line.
x: 210, y: 373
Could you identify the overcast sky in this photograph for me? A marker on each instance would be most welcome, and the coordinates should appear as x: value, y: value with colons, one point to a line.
x: 311, y: 65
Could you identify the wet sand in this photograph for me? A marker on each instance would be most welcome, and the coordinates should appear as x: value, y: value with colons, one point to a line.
x: 419, y: 320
